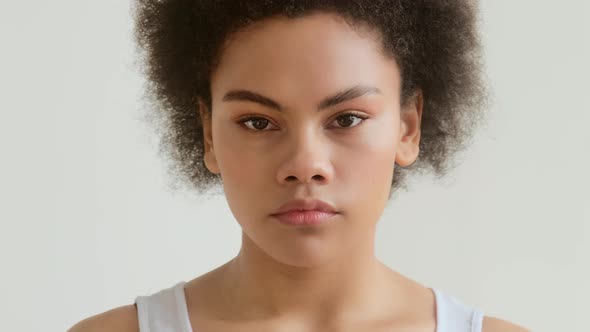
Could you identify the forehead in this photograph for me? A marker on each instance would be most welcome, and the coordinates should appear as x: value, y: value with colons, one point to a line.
x: 307, y: 57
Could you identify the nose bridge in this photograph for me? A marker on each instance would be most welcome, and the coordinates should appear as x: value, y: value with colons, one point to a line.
x: 307, y: 157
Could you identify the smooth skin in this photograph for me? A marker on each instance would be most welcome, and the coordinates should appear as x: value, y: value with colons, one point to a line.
x: 304, y: 144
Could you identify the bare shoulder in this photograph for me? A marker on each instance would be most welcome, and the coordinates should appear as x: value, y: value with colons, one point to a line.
x: 492, y: 324
x: 122, y: 319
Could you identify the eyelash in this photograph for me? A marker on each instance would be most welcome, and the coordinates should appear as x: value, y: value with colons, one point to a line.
x: 242, y: 121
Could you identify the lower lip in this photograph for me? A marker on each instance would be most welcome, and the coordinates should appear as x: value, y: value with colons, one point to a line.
x: 298, y: 218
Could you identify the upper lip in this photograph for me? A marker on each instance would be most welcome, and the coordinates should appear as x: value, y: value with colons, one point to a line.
x: 305, y: 205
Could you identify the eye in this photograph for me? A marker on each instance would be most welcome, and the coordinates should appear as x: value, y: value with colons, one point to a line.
x: 255, y: 123
x: 349, y: 120
x: 346, y: 120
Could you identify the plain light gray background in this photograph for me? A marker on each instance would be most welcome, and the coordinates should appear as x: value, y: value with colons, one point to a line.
x: 87, y: 223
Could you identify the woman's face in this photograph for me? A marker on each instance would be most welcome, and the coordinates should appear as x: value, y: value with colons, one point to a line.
x: 299, y: 147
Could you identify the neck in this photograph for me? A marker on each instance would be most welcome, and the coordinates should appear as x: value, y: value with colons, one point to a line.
x: 354, y: 285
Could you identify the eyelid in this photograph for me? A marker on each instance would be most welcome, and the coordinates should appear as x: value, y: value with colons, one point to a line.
x: 360, y: 115
x: 243, y: 119
x: 352, y: 112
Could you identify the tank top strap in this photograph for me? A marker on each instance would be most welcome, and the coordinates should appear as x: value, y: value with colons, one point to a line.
x: 164, y: 311
x: 453, y: 315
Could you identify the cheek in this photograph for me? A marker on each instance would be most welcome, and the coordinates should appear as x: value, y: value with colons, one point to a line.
x: 241, y: 170
x: 367, y: 172
x: 245, y: 175
x: 371, y: 156
x: 236, y: 160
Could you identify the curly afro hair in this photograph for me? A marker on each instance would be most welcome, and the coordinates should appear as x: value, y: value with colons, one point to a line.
x: 435, y: 43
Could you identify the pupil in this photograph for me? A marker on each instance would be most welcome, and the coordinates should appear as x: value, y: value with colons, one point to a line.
x: 260, y: 123
x: 347, y: 120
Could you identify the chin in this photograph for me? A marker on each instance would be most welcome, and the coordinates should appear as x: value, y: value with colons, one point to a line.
x: 301, y: 252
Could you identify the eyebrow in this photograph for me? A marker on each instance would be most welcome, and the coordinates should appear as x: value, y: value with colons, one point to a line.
x: 338, y: 98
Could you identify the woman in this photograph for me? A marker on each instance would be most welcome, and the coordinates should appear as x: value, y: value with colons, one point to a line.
x: 309, y: 114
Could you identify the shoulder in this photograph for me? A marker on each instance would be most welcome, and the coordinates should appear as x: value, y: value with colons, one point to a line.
x: 492, y: 324
x: 122, y: 319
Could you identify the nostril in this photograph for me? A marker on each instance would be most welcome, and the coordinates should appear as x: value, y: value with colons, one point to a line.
x: 315, y: 177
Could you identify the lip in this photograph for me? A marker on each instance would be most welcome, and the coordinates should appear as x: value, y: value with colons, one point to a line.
x: 305, y: 212
x: 305, y: 205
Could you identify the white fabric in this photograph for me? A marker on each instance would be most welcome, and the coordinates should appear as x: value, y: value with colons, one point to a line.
x: 166, y: 311
x: 454, y: 316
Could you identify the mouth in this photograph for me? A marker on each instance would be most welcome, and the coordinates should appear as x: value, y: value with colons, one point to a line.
x: 305, y: 217
x: 300, y: 212
x: 306, y: 205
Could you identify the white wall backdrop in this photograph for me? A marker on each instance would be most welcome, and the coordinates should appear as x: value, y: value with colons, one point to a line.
x: 86, y: 222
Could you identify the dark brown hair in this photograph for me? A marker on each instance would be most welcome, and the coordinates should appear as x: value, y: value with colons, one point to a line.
x: 435, y: 43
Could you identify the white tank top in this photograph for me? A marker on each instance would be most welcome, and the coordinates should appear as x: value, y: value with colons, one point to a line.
x: 166, y: 311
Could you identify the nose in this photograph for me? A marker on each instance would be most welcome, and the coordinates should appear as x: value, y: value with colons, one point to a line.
x: 308, y: 160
